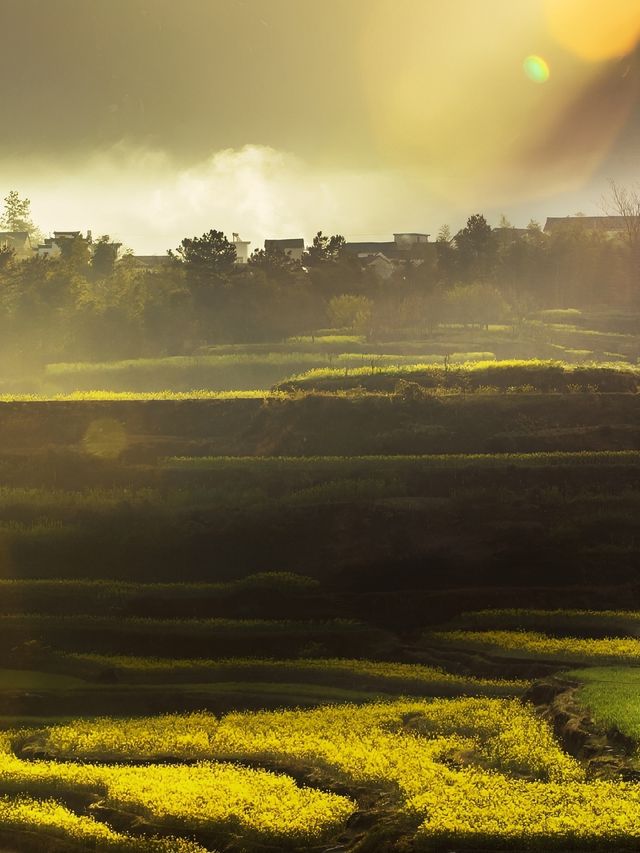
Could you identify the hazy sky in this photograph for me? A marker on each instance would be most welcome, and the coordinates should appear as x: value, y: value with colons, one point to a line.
x: 153, y: 119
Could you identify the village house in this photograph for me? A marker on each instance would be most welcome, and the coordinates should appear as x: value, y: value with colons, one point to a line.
x: 241, y: 247
x: 404, y: 246
x: 18, y: 241
x: 609, y: 226
x: 294, y: 247
x: 382, y: 257
x: 50, y: 247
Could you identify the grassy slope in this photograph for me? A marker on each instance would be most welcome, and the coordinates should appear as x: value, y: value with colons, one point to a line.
x: 525, y: 375
x: 611, y: 695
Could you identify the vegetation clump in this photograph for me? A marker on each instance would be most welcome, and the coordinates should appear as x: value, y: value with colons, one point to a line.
x: 533, y: 375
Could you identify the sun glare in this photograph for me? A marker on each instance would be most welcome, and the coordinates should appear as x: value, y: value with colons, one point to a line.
x: 593, y: 30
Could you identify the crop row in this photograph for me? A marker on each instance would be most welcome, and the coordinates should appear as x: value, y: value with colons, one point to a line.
x: 539, y: 646
x: 196, y: 638
x: 40, y: 824
x: 356, y: 465
x: 583, y: 623
x: 105, y: 597
x: 410, y: 679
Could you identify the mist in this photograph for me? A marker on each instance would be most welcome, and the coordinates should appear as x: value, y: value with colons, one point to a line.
x: 146, y: 199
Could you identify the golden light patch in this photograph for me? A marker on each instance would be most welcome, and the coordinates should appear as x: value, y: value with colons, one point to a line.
x: 594, y: 30
x: 105, y: 437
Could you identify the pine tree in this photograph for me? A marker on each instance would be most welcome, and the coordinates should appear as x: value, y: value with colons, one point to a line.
x: 17, y: 215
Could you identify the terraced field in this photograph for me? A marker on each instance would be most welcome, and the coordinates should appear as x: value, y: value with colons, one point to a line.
x: 294, y: 620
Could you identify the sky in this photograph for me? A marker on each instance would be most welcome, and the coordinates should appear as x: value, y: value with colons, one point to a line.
x: 153, y: 120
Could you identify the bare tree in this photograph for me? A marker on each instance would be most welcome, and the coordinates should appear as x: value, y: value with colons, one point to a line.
x: 625, y: 202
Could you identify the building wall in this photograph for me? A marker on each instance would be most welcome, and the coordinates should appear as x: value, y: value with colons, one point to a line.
x: 406, y: 241
x: 242, y: 251
x: 294, y: 254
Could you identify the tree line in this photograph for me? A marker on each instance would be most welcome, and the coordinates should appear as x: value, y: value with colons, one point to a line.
x: 88, y: 305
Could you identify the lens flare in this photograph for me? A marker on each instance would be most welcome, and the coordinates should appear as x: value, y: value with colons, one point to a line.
x: 593, y: 30
x: 536, y: 69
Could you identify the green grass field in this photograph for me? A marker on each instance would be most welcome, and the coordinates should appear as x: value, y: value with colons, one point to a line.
x: 611, y: 695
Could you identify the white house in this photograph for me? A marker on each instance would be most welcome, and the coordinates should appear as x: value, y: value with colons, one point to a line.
x: 50, y: 248
x: 242, y: 249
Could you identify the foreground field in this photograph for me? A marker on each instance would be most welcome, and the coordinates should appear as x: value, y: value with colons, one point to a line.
x: 474, y: 772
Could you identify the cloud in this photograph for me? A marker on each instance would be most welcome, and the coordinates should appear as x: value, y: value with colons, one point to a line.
x: 150, y: 202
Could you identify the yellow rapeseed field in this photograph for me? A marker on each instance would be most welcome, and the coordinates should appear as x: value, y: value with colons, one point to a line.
x: 482, y: 771
x: 541, y: 646
x: 51, y: 818
x: 185, y: 797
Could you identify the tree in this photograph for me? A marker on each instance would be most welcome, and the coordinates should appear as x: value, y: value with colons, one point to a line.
x: 208, y: 256
x: 17, y: 215
x: 7, y: 256
x: 208, y: 264
x: 75, y: 252
x: 350, y: 311
x: 275, y: 264
x: 104, y: 256
x: 422, y: 312
x: 476, y: 303
x: 446, y: 255
x: 324, y: 249
x: 332, y: 269
x: 625, y: 202
x: 477, y: 248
